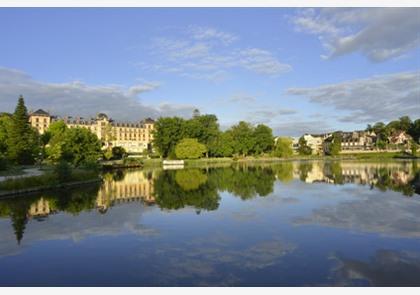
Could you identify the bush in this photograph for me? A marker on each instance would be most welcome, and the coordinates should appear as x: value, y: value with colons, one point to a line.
x: 3, y: 163
x: 189, y: 148
x: 62, y: 171
x: 283, y: 148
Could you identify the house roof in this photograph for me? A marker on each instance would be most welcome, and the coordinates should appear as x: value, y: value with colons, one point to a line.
x: 40, y: 112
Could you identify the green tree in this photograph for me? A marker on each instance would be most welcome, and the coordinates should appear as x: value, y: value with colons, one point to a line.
x: 283, y: 147
x: 205, y: 128
x: 168, y: 132
x: 81, y: 146
x: 190, y: 148
x: 414, y: 130
x: 335, y: 147
x: 222, y: 145
x: 405, y: 123
x: 304, y: 149
x: 263, y: 139
x: 6, y: 122
x: 243, y: 138
x: 74, y: 145
x: 23, y: 141
x: 56, y: 138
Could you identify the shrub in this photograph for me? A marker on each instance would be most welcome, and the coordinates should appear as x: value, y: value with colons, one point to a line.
x: 62, y: 171
x: 190, y: 148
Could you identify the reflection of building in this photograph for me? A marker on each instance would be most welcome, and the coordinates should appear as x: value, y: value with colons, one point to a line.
x: 133, y: 137
x: 135, y: 186
x: 40, y: 208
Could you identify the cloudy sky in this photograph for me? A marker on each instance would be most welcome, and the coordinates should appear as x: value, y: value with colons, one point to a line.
x: 297, y: 70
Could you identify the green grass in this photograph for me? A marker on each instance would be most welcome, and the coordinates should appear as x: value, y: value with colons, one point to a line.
x: 45, y: 180
x: 11, y: 171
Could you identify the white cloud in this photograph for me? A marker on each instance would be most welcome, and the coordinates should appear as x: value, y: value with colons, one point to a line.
x: 378, y: 33
x: 378, y: 98
x: 206, y: 33
x: 79, y: 99
x: 206, y: 53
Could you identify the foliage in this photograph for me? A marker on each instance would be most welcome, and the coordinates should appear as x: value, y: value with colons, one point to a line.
x: 283, y: 147
x: 304, y: 149
x: 167, y: 133
x: 22, y: 141
x: 190, y: 148
x: 335, y: 146
x: 62, y: 171
x: 6, y: 122
x: 75, y: 145
x: 222, y: 146
x: 264, y: 140
x: 243, y: 138
x: 190, y: 179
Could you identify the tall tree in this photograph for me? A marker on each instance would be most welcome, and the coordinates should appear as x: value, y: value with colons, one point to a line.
x: 304, y: 149
x: 283, y: 147
x: 167, y: 133
x: 243, y: 138
x: 23, y: 144
x: 264, y: 140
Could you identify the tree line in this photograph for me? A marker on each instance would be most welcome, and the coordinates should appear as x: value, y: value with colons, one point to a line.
x: 175, y: 137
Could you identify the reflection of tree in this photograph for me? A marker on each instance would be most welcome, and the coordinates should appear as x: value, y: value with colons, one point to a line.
x: 284, y: 172
x: 17, y: 210
x: 190, y: 179
x: 304, y: 169
x: 171, y: 195
x: 388, y: 179
x: 334, y: 171
x: 75, y: 201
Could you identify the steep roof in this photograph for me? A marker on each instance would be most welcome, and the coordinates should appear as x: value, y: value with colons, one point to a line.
x: 40, y: 112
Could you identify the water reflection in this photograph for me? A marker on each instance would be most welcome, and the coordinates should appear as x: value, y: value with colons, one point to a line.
x: 201, y: 188
x: 385, y: 268
x: 258, y: 225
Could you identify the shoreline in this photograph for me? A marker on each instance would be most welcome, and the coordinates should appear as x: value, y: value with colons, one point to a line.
x: 47, y: 188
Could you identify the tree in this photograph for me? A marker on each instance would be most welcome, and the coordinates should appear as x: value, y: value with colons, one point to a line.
x: 81, y: 146
x: 203, y: 127
x: 414, y: 130
x: 190, y: 148
x: 6, y: 122
x: 263, y: 137
x: 405, y: 123
x: 335, y: 146
x: 168, y: 132
x: 23, y: 144
x: 55, y: 137
x: 74, y: 145
x: 283, y: 147
x: 222, y: 145
x: 304, y: 149
x: 243, y: 138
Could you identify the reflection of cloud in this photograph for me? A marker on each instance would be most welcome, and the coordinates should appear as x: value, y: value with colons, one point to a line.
x: 372, y: 211
x: 213, y: 261
x: 118, y: 220
x: 386, y: 268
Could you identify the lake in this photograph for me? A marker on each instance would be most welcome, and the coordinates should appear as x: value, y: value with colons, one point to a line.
x: 308, y: 223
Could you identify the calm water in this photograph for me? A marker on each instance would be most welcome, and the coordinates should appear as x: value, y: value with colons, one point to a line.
x: 291, y: 224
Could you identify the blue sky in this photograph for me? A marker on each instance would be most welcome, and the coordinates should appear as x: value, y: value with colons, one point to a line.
x: 297, y: 70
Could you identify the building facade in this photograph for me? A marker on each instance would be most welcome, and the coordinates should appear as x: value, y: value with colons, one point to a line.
x: 133, y: 137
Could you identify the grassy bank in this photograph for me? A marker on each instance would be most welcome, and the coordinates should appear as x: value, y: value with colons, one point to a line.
x: 49, y: 179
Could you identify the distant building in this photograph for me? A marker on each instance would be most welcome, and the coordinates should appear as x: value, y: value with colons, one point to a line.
x: 315, y: 143
x: 357, y: 140
x: 133, y: 137
x: 400, y: 137
x: 40, y: 120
